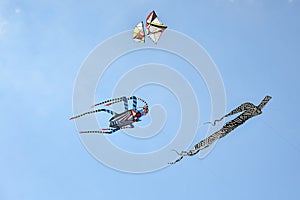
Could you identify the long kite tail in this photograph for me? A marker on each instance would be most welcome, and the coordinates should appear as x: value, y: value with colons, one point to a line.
x: 120, y: 99
x: 145, y: 107
x: 107, y: 130
x: 93, y: 111
x: 191, y: 152
x: 264, y: 102
x: 178, y: 159
x: 227, y: 128
x: 113, y: 101
x: 142, y: 100
x: 241, y: 108
x: 181, y: 154
x: 109, y: 102
x: 203, y: 144
x: 102, y: 131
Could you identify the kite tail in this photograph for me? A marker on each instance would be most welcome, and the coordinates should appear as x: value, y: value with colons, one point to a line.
x: 241, y: 108
x: 111, y: 101
x: 120, y: 99
x: 145, y: 105
x: 264, y: 102
x: 182, y: 154
x: 102, y: 132
x: 178, y: 159
x: 197, y: 148
x: 90, y: 112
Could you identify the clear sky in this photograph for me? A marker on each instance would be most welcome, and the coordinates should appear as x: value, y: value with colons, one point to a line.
x: 255, y: 45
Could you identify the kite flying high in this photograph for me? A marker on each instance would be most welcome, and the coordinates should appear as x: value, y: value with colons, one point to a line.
x: 139, y: 33
x: 154, y: 29
x: 119, y: 120
x: 249, y: 110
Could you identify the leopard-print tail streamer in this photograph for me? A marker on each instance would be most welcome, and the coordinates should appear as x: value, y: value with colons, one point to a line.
x: 248, y: 110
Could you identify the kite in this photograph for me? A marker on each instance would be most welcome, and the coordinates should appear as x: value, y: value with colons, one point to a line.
x: 249, y: 110
x: 139, y: 33
x: 154, y: 29
x: 119, y: 120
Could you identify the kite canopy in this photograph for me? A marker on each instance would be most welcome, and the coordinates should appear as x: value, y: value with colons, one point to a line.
x: 154, y: 28
x: 138, y: 33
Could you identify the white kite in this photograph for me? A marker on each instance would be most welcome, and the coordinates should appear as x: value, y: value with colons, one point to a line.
x: 139, y: 33
x: 154, y: 29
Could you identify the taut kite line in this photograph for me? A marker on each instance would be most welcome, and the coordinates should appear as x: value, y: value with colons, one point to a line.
x: 249, y: 110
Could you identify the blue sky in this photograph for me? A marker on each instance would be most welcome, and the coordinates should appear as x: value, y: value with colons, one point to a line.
x: 255, y: 45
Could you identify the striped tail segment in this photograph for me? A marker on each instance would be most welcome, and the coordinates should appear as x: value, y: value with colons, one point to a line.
x: 93, y: 111
x: 145, y: 105
x: 102, y: 131
x: 125, y: 103
x: 107, y: 102
x: 120, y: 99
x: 106, y: 130
x: 110, y: 101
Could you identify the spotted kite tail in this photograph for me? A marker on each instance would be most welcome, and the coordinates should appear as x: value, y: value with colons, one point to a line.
x: 93, y: 111
x: 191, y: 152
x: 106, y: 130
x: 107, y: 102
x: 181, y: 154
x: 145, y: 105
x: 111, y: 101
x: 98, y: 132
x: 264, y: 102
x: 102, y: 131
x: 120, y: 99
x: 178, y: 159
